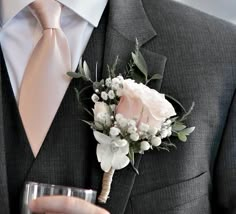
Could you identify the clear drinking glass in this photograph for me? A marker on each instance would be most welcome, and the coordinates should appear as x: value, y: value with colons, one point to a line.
x: 33, y: 190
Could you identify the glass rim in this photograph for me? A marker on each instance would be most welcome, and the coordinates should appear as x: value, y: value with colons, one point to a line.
x: 88, y: 191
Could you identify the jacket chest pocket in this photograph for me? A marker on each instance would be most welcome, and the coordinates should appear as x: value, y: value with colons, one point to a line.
x: 191, y: 196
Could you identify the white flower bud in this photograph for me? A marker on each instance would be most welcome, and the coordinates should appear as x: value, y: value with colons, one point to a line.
x: 121, y: 78
x: 123, y: 123
x: 114, y: 131
x: 164, y: 133
x: 144, y: 146
x: 115, y: 80
x: 104, y: 95
x: 169, y: 131
x: 152, y: 131
x: 111, y: 94
x: 167, y: 123
x: 115, y: 83
x: 118, y: 117
x: 108, y: 82
x: 132, y: 123
x: 156, y: 141
x: 121, y: 143
x: 134, y: 136
x: 103, y: 118
x: 95, y: 98
x: 144, y: 127
x: 131, y: 129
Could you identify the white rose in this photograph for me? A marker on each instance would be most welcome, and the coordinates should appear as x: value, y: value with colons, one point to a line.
x: 102, y: 113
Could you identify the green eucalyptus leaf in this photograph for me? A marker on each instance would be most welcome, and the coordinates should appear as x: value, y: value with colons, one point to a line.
x: 173, y: 119
x: 131, y: 156
x: 154, y: 77
x: 89, y: 112
x: 74, y: 75
x: 178, y: 126
x: 113, y: 68
x: 182, y: 137
x: 138, y: 77
x: 87, y: 122
x: 86, y: 70
x: 140, y: 62
x: 188, y: 131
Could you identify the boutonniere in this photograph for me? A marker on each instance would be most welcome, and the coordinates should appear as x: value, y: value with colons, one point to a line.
x: 129, y: 117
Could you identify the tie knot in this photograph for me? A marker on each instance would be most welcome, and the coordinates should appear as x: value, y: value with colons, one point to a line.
x: 48, y: 12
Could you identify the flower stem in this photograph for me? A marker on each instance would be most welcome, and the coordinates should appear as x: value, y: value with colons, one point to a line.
x: 106, y: 186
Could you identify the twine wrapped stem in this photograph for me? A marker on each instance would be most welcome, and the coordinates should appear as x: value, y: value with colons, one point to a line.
x: 106, y: 186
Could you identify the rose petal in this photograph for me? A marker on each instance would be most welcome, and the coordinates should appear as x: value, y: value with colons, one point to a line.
x: 130, y: 107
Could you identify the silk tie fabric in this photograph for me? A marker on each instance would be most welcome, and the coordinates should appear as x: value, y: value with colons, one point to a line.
x: 45, y: 80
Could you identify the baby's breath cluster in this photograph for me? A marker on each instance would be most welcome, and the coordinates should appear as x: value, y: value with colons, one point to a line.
x: 141, y: 136
x: 108, y: 90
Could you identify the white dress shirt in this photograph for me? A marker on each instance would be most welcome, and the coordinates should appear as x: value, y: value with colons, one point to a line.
x: 224, y: 9
x: 20, y: 32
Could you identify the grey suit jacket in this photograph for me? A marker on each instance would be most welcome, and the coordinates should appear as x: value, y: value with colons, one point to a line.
x: 196, y: 54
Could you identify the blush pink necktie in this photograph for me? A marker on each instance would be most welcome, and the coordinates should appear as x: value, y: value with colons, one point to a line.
x: 45, y: 80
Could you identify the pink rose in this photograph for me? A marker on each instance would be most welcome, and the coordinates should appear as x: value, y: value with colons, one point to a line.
x: 143, y: 104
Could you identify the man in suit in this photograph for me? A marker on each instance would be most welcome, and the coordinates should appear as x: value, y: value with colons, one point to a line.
x: 195, y: 53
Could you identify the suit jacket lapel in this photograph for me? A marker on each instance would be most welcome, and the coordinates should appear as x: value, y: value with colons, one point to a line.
x: 128, y: 21
x: 4, y: 203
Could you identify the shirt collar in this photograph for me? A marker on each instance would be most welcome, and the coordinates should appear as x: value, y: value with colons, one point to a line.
x: 90, y: 10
